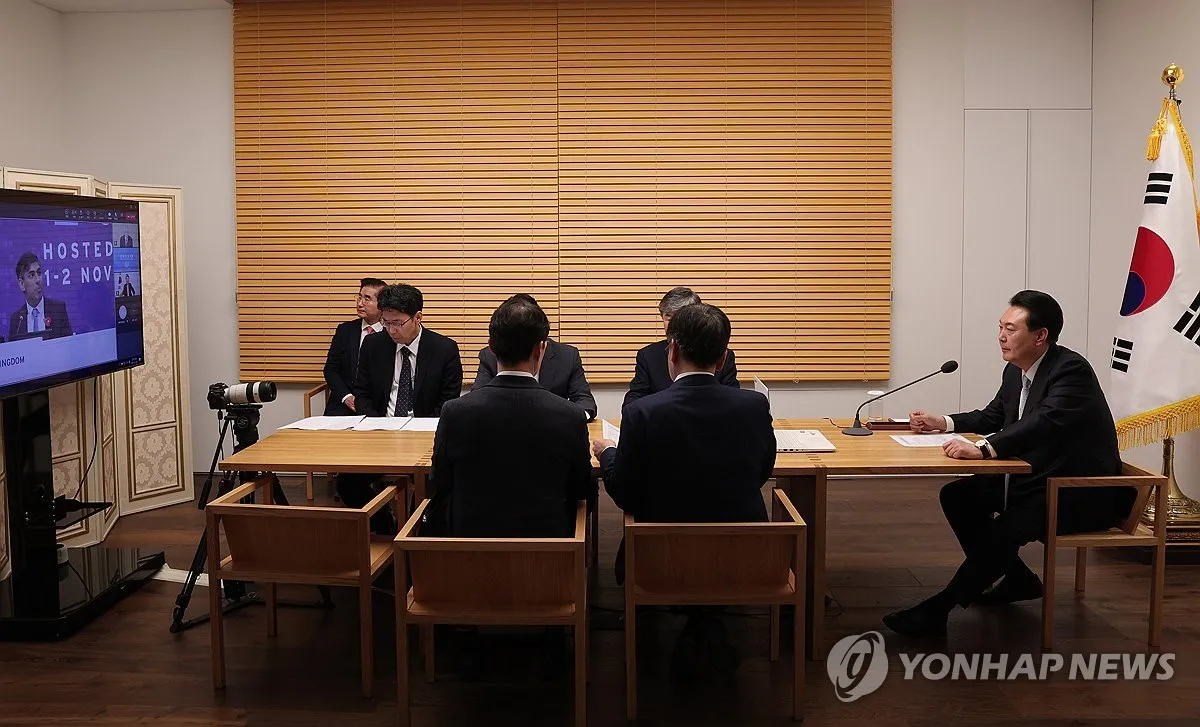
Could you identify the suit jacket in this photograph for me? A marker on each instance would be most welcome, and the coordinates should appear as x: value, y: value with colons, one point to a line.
x: 439, y: 374
x: 56, y: 313
x: 650, y: 374
x: 695, y: 452
x: 510, y: 460
x: 562, y: 374
x: 341, y: 365
x: 1067, y: 430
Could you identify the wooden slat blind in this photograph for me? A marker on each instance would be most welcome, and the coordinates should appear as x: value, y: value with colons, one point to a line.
x: 592, y: 152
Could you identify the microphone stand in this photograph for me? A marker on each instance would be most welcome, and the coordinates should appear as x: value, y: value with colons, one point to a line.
x: 858, y: 430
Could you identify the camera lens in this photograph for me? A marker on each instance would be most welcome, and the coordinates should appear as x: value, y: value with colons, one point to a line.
x: 255, y: 392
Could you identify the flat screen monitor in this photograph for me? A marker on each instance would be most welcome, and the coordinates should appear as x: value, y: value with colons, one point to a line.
x: 70, y: 289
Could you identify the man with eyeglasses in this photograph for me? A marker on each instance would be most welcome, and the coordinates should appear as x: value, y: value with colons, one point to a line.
x: 650, y: 372
x: 411, y: 371
x: 341, y: 363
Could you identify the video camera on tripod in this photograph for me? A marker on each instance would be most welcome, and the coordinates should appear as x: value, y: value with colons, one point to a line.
x: 237, y: 406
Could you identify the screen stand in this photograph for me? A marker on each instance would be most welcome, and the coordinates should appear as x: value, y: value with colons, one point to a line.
x: 53, y: 591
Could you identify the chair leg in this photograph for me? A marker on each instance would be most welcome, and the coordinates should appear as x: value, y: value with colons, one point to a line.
x: 580, y: 671
x: 427, y: 650
x: 1080, y: 568
x: 402, y: 694
x: 774, y: 632
x: 630, y: 657
x: 1156, y: 592
x: 798, y: 659
x: 272, y: 610
x: 1048, y: 596
x: 366, y: 638
x: 217, y: 631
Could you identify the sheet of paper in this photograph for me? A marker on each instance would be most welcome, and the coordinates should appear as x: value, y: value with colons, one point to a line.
x: 610, y: 431
x: 926, y: 440
x: 761, y: 388
x: 323, y: 423
x: 421, y: 424
x: 381, y: 424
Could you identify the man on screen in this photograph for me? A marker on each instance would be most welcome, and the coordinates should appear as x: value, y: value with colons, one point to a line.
x: 38, y: 315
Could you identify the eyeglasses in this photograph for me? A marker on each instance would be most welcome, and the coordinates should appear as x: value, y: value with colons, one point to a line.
x: 396, y: 325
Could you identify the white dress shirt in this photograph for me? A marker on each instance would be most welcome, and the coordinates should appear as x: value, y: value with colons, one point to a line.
x: 516, y: 373
x: 694, y: 373
x: 396, y: 368
x: 1028, y: 374
x: 35, y: 323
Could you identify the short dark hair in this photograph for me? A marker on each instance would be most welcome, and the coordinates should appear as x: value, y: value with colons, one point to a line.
x: 525, y: 297
x: 401, y: 297
x: 25, y: 262
x: 515, y: 330
x: 677, y: 298
x: 701, y: 331
x: 371, y: 283
x: 1044, y: 312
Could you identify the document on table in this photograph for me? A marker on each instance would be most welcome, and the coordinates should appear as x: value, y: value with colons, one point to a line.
x: 802, y: 440
x: 610, y: 431
x: 381, y: 424
x: 421, y: 424
x: 927, y: 440
x: 324, y: 424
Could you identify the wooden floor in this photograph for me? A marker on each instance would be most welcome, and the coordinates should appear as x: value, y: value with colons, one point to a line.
x: 888, y: 547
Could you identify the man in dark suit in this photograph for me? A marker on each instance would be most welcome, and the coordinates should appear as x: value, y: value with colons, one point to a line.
x: 697, y: 451
x: 650, y: 373
x: 561, y: 372
x: 511, y: 459
x: 412, y: 371
x: 38, y: 315
x: 1051, y: 412
x: 341, y: 363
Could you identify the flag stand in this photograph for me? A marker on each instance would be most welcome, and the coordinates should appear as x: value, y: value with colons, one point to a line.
x: 1183, y: 513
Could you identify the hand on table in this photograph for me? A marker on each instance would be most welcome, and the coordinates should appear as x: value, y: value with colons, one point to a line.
x: 920, y: 422
x: 599, y: 445
x: 959, y: 449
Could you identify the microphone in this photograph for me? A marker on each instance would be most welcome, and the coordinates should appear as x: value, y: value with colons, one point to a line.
x: 858, y: 430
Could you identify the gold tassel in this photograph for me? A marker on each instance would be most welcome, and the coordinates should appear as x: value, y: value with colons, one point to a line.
x: 1158, y: 424
x: 1154, y: 143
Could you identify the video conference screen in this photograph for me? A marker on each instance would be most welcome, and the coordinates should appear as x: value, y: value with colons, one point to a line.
x: 70, y: 289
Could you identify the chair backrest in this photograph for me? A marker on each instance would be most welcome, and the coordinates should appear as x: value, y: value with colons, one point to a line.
x: 291, y: 540
x: 714, y: 558
x: 493, y: 574
x: 1130, y: 524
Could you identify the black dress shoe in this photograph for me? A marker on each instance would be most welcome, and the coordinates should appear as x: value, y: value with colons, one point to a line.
x: 1011, y: 589
x: 920, y: 621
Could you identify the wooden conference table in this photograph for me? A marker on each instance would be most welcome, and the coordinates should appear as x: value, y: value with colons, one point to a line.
x: 803, y: 476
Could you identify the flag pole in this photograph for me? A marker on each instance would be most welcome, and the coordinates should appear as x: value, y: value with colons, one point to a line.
x: 1183, y: 513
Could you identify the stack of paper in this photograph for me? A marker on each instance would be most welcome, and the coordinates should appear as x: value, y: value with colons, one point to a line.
x: 325, y: 424
x: 611, y: 431
x: 381, y: 424
x: 422, y: 424
x: 802, y: 440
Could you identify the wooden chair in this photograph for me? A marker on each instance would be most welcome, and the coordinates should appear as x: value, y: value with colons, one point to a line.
x: 1130, y: 533
x: 272, y: 544
x: 308, y: 397
x: 753, y: 563
x: 489, y: 581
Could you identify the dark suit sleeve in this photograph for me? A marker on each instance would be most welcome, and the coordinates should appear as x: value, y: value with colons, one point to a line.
x: 14, y: 324
x: 452, y: 377
x: 1068, y: 398
x: 441, y: 482
x: 487, y: 369
x: 363, y: 403
x: 338, y: 388
x: 640, y: 386
x: 982, y: 421
x: 728, y: 374
x: 578, y: 392
x: 623, y: 465
x: 66, y: 322
x: 582, y: 486
x: 767, y: 432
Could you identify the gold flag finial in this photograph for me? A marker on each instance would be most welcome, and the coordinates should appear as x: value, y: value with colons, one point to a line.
x: 1172, y: 76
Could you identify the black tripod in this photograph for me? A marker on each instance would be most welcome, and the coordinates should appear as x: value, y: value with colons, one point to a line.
x: 244, y: 419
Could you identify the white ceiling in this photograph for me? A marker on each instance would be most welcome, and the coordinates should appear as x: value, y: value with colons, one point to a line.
x: 113, y: 6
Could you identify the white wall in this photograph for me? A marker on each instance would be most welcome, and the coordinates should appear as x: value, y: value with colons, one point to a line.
x: 161, y: 86
x: 1134, y: 41
x: 33, y: 112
